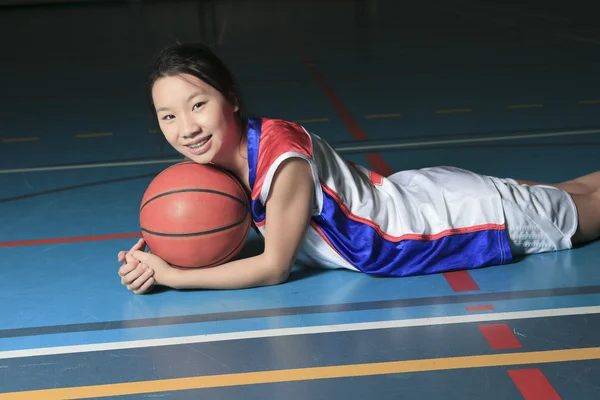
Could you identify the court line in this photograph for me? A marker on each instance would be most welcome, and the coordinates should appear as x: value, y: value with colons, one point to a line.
x: 455, y: 111
x: 461, y: 281
x: 94, y: 165
x: 21, y: 139
x: 472, y: 140
x: 345, y: 149
x: 521, y: 106
x: 34, y: 242
x: 470, y: 298
x: 374, y: 116
x: 484, y: 307
x: 63, y: 189
x: 376, y: 160
x: 500, y: 336
x: 305, y: 330
x: 309, y: 120
x: 339, y: 149
x: 92, y: 135
x: 310, y: 373
x: 533, y: 384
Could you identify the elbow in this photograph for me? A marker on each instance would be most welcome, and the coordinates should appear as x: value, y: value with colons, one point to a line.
x: 278, y: 273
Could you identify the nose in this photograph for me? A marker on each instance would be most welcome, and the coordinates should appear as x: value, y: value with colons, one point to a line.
x: 190, y: 127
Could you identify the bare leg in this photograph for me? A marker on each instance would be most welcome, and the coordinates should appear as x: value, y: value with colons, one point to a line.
x: 586, y: 184
x: 588, y: 208
x: 585, y: 191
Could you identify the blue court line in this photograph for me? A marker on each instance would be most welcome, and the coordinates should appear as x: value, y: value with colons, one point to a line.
x: 294, y: 351
x: 324, y: 290
x: 303, y: 311
x: 397, y: 142
x: 126, y: 333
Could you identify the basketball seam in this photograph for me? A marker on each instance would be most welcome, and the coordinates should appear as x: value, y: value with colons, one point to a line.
x: 218, y: 262
x: 244, y: 203
x: 236, y: 180
x: 216, y: 230
x: 195, y: 190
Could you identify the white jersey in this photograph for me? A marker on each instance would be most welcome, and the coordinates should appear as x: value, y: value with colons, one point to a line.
x: 413, y: 222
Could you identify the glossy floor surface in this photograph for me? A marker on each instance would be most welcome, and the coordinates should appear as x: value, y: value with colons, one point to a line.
x: 499, y: 88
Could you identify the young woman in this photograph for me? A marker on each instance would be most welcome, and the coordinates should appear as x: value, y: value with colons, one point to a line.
x: 314, y: 208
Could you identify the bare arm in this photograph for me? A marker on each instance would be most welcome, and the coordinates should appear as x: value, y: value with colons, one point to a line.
x: 288, y: 212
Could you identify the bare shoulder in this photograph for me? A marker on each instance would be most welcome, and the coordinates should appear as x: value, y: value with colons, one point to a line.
x: 292, y: 178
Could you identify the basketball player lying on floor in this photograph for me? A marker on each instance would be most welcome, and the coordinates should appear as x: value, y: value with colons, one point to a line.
x: 313, y: 208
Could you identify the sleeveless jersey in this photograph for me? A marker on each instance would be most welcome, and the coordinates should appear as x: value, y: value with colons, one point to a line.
x: 411, y: 223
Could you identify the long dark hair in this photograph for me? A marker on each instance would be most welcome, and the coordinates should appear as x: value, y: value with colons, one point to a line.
x: 200, y: 61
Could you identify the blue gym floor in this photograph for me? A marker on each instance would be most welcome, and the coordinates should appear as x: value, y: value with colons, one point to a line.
x: 499, y: 88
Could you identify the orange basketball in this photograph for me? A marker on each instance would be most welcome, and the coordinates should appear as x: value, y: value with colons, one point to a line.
x: 195, y: 216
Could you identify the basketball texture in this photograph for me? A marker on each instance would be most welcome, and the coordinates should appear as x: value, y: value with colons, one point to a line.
x: 195, y: 216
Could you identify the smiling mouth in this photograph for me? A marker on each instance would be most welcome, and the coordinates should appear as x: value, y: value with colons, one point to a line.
x: 198, y: 145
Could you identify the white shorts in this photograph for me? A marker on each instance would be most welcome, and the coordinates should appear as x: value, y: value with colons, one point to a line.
x: 538, y: 218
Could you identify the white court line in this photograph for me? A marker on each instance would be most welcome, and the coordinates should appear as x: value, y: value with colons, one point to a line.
x: 266, y: 333
x: 84, y: 166
x: 339, y: 149
x: 474, y: 140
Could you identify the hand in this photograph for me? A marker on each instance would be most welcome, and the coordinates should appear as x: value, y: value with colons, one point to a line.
x: 136, y: 276
x: 163, y: 273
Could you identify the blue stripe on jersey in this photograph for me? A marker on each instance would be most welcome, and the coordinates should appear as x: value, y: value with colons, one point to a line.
x: 254, y: 127
x: 363, y: 247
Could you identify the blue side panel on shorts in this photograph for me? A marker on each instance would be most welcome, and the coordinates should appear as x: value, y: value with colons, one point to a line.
x: 362, y: 246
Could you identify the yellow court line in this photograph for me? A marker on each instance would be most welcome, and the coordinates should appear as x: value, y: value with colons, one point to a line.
x: 518, y: 106
x: 382, y: 115
x: 16, y: 140
x: 91, y: 135
x: 153, y: 130
x: 289, y: 375
x: 454, y: 111
x: 302, y: 121
x: 589, y: 102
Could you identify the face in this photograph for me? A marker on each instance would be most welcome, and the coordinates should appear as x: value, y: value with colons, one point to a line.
x: 196, y: 119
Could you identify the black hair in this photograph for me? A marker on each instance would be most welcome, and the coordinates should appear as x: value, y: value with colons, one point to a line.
x: 200, y: 61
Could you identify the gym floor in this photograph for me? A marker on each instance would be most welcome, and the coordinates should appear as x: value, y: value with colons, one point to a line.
x: 497, y: 87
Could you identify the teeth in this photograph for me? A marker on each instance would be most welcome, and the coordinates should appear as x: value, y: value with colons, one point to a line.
x: 197, y: 146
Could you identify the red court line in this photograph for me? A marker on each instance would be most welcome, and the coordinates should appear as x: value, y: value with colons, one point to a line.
x: 500, y: 337
x: 460, y: 281
x: 487, y: 307
x: 376, y: 160
x: 70, y: 239
x: 533, y: 384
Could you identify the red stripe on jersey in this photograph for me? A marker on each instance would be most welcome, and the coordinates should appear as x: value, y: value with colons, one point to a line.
x: 407, y: 236
x: 278, y: 137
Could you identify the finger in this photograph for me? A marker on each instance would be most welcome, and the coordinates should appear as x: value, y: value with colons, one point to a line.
x: 139, y: 282
x: 130, y: 259
x: 142, y: 256
x: 132, y: 276
x: 127, y: 268
x: 139, y: 245
x: 145, y: 287
x: 121, y: 256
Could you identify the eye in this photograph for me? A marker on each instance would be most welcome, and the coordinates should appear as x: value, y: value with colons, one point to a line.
x: 168, y: 117
x: 198, y: 105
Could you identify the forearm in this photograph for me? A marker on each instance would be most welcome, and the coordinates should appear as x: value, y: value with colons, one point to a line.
x: 243, y: 273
